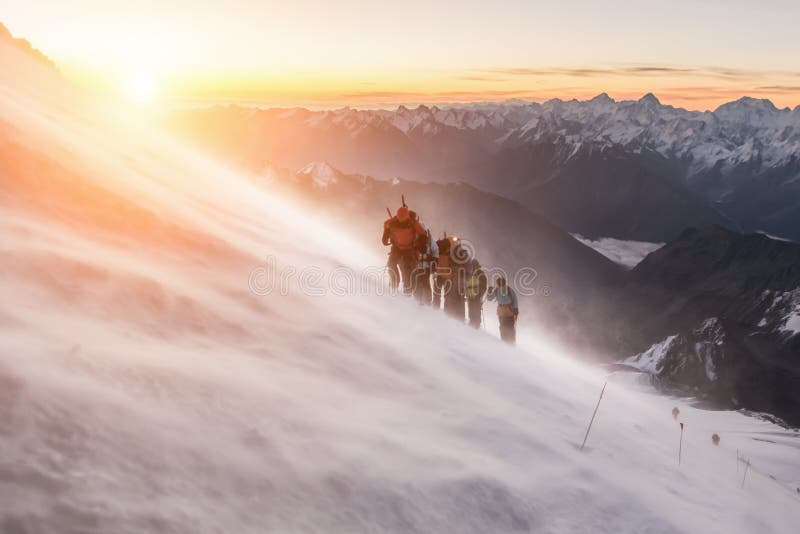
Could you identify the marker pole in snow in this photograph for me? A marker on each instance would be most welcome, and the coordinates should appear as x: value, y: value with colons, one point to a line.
x: 680, y: 446
x: 593, y: 414
x: 746, y: 467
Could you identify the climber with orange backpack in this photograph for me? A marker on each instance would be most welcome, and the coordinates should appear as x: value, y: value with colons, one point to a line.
x: 406, y: 236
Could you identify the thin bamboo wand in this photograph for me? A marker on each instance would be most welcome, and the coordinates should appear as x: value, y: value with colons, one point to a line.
x: 593, y: 414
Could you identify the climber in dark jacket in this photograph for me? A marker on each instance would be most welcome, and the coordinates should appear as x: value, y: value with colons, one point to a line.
x: 427, y: 254
x: 476, y: 289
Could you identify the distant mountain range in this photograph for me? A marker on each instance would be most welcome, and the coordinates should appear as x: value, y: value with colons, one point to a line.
x: 629, y: 170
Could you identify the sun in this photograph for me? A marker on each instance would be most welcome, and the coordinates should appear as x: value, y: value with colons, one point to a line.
x: 140, y: 87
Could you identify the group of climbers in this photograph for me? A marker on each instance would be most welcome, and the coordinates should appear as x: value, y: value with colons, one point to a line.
x: 442, y: 273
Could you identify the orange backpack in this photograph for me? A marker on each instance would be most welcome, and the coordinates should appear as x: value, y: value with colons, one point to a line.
x: 402, y: 234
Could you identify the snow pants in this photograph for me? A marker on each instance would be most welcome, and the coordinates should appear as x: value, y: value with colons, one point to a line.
x: 400, y: 264
x: 450, y: 294
x: 422, y: 286
x: 454, y: 305
x: 474, y: 312
x: 508, y: 329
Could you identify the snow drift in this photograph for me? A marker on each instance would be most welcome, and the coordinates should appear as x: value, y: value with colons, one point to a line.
x: 144, y: 387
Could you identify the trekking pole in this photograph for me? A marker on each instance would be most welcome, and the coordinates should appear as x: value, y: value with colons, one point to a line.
x: 593, y: 414
x: 403, y: 197
x: 680, y: 446
x: 389, y: 212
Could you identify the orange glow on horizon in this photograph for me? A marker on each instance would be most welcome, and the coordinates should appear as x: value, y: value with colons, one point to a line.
x: 351, y: 53
x: 325, y: 90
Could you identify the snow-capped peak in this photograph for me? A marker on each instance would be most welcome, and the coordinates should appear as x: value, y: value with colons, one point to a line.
x: 602, y: 98
x: 747, y: 110
x: 749, y: 102
x: 322, y: 174
x: 650, y: 100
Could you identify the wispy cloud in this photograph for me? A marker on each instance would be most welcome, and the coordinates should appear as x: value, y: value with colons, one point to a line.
x: 479, y: 78
x: 722, y: 72
x: 655, y: 70
x: 781, y: 88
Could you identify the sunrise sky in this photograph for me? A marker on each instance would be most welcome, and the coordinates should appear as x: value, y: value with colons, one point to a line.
x: 695, y: 54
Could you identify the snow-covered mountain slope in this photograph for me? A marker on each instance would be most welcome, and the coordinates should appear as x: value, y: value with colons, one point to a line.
x: 713, y: 311
x: 146, y: 386
x: 782, y: 313
x: 692, y: 360
x: 625, y: 253
x: 320, y: 174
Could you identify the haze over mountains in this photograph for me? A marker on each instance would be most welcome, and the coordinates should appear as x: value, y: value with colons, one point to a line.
x: 630, y: 170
